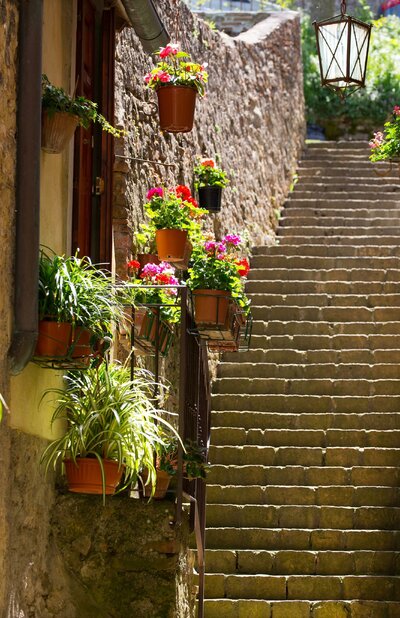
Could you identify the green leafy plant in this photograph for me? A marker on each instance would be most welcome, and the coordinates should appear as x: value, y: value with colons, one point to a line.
x: 72, y: 289
x: 218, y: 266
x: 174, y: 209
x: 109, y: 416
x: 55, y: 100
x: 193, y: 458
x: 208, y: 174
x: 386, y: 145
x: 145, y: 239
x: 176, y: 69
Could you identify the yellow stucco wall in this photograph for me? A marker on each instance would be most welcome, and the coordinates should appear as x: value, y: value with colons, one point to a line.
x: 28, y: 413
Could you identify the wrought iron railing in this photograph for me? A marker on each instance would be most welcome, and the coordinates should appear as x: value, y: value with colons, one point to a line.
x: 194, y: 414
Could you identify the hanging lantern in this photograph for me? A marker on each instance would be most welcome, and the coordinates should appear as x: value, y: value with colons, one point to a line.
x: 342, y: 44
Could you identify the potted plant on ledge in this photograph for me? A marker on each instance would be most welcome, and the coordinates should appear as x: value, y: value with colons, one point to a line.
x: 209, y: 182
x: 113, y: 429
x: 175, y: 216
x: 62, y: 113
x: 77, y: 306
x: 177, y: 81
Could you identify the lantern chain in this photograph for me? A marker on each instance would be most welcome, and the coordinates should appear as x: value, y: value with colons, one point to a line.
x: 343, y: 7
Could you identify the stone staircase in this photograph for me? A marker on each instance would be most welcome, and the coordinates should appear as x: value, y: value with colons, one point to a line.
x: 303, y: 498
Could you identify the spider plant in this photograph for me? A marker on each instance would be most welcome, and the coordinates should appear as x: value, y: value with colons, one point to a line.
x: 109, y: 416
x: 72, y: 289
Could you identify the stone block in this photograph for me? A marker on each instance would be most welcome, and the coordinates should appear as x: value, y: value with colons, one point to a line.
x: 314, y: 587
x: 330, y: 609
x: 291, y: 609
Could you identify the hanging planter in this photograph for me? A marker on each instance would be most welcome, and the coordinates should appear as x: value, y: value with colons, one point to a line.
x: 210, y: 198
x: 174, y: 247
x: 145, y: 325
x: 54, y: 340
x: 210, y: 307
x: 85, y: 477
x: 57, y: 131
x: 177, y: 80
x: 209, y: 181
x: 176, y: 107
x: 61, y: 114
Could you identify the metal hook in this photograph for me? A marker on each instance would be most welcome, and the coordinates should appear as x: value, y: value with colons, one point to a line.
x: 343, y: 7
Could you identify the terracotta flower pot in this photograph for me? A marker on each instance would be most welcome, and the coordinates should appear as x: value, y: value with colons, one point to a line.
x: 210, y: 198
x: 211, y: 307
x: 84, y: 477
x: 176, y: 105
x: 54, y: 339
x: 162, y: 484
x: 173, y: 247
x: 57, y: 131
x: 81, y: 342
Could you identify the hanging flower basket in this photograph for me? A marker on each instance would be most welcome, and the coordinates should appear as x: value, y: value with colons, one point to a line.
x: 145, y: 330
x: 210, y: 198
x: 210, y: 307
x: 174, y: 247
x: 84, y: 476
x: 57, y: 131
x: 176, y: 106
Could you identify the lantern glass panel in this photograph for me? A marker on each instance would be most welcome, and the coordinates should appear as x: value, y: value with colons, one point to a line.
x: 358, y: 51
x: 333, y: 42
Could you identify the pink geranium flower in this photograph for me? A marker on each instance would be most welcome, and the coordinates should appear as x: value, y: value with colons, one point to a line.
x: 396, y: 110
x: 156, y: 191
x: 232, y: 239
x: 169, y: 50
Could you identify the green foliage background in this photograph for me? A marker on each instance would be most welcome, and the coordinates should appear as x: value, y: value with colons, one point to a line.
x: 368, y: 108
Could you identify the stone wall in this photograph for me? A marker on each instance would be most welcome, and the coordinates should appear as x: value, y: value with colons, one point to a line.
x: 252, y: 118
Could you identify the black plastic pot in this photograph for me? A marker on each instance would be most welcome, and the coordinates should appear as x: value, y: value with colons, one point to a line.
x: 210, y: 198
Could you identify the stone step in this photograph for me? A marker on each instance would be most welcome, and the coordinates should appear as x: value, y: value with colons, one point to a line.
x: 341, y: 240
x: 326, y: 202
x: 322, y: 274
x: 338, y: 232
x: 319, y: 313
x: 304, y: 357
x: 262, y: 302
x: 311, y: 386
x: 283, y: 421
x: 333, y: 222
x: 349, y: 165
x: 255, y: 288
x: 322, y: 250
x: 274, y: 327
x: 287, y: 562
x: 261, y: 264
x: 332, y: 495
x: 331, y: 437
x: 372, y: 187
x: 327, y: 342
x: 307, y: 403
x: 337, y: 145
x: 299, y: 587
x: 242, y: 608
x: 309, y: 372
x: 376, y: 476
x: 254, y: 452
x: 346, y: 172
x: 371, y: 194
x: 304, y: 517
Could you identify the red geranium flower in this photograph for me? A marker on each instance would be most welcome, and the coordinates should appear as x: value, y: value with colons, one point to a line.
x: 243, y: 267
x: 134, y: 264
x: 183, y: 192
x: 207, y: 163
